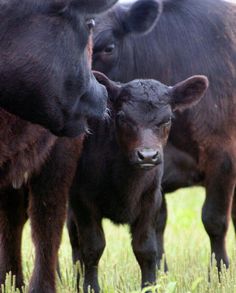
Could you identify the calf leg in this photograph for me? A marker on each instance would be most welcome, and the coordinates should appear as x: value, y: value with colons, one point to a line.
x: 161, y: 219
x: 91, y: 242
x: 13, y: 215
x: 74, y: 241
x: 220, y: 184
x: 144, y: 241
x: 145, y: 251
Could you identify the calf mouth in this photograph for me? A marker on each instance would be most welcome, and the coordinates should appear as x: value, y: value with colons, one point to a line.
x: 146, y: 166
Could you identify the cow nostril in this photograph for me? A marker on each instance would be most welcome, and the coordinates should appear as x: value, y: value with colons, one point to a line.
x: 155, y: 157
x: 140, y: 156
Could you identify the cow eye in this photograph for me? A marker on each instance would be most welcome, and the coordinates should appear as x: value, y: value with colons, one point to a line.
x: 109, y: 49
x: 90, y: 23
x: 166, y: 123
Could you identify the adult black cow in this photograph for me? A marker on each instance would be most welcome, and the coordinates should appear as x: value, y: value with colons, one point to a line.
x: 189, y: 37
x: 45, y: 74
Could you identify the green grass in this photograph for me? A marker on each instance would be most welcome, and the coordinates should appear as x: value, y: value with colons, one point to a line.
x: 187, y: 251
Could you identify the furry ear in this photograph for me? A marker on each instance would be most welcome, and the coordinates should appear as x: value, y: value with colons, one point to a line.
x: 188, y: 92
x: 93, y: 6
x: 112, y: 87
x: 142, y: 16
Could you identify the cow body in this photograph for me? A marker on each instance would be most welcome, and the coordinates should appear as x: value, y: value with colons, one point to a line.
x: 188, y: 37
x: 119, y: 173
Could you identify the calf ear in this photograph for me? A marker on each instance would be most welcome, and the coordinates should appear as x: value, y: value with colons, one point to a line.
x: 188, y: 92
x: 112, y: 87
x: 93, y: 6
x: 142, y: 16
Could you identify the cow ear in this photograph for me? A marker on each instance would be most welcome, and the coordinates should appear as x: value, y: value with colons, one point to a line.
x: 188, y: 92
x: 112, y: 87
x: 93, y: 6
x: 142, y: 16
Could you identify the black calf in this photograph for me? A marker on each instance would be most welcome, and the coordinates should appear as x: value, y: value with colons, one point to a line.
x: 120, y: 170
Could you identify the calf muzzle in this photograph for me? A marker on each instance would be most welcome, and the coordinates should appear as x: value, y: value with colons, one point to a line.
x: 148, y: 158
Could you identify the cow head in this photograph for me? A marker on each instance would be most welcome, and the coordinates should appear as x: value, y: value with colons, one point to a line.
x: 115, y: 32
x: 45, y: 54
x: 142, y: 112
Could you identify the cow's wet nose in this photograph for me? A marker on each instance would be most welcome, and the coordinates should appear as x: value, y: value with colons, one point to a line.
x: 149, y: 156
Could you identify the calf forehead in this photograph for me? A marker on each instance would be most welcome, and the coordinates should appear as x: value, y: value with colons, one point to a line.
x: 146, y: 113
x: 149, y: 91
x: 147, y: 101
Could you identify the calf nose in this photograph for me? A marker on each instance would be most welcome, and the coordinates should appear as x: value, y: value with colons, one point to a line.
x: 148, y: 156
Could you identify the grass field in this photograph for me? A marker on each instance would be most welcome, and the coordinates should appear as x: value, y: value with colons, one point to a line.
x: 187, y: 251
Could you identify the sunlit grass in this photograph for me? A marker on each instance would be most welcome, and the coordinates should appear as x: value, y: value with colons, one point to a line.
x: 187, y: 252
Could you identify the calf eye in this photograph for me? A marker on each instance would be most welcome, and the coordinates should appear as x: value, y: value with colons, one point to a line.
x: 90, y: 23
x: 109, y: 49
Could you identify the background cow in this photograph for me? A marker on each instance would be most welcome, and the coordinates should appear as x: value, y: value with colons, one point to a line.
x: 120, y: 170
x: 188, y: 37
x: 45, y: 74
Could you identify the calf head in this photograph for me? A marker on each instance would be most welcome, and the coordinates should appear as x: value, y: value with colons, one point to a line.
x: 115, y: 33
x: 142, y: 112
x: 45, y: 74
